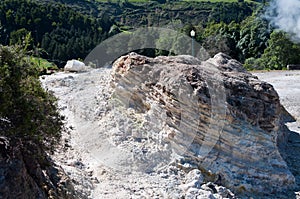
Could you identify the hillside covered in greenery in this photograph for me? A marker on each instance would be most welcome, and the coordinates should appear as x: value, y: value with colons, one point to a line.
x: 65, y: 29
x: 59, y: 30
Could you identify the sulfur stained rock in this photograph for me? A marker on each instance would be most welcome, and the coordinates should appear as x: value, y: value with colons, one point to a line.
x: 214, y: 113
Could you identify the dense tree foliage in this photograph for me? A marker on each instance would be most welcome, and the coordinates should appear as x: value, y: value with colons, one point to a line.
x: 279, y: 53
x: 70, y: 29
x: 67, y: 29
x: 254, y: 35
x: 61, y: 31
x: 27, y: 112
x: 221, y: 37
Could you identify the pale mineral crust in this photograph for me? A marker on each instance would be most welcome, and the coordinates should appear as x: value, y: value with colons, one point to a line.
x: 213, y: 113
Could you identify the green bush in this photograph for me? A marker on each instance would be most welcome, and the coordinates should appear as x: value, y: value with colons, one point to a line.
x: 253, y: 64
x: 30, y: 111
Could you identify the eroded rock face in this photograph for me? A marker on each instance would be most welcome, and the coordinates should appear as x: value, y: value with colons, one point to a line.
x: 27, y: 172
x: 213, y: 113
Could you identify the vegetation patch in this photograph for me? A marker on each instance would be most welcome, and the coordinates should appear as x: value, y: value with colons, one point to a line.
x: 27, y: 112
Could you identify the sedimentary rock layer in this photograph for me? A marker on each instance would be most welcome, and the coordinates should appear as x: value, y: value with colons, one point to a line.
x: 213, y: 113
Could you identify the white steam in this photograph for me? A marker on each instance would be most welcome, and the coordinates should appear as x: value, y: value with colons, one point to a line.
x: 285, y: 15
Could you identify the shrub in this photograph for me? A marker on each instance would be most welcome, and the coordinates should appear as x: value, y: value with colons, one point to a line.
x: 30, y: 111
x: 254, y: 64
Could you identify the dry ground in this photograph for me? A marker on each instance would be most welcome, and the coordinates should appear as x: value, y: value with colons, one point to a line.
x: 86, y: 155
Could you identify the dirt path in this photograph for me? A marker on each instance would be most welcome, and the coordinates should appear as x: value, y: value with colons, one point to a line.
x: 79, y: 101
x: 97, y: 167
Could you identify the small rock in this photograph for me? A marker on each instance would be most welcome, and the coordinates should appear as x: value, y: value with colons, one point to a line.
x: 194, y: 175
x: 67, y: 145
x: 90, y: 173
x: 95, y: 180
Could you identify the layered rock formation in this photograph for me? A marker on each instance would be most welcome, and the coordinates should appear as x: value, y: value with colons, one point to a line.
x: 214, y: 114
x: 27, y: 172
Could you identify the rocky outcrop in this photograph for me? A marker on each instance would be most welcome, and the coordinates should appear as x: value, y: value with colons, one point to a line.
x: 27, y: 172
x: 75, y: 66
x: 213, y: 113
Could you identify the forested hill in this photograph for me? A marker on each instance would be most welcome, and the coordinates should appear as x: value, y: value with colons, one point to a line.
x: 59, y: 29
x: 66, y: 29
x: 155, y: 13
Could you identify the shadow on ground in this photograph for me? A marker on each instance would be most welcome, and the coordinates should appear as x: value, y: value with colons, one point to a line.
x: 291, y: 150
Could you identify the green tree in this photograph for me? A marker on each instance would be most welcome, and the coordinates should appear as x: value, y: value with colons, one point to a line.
x: 280, y: 52
x: 254, y: 35
x: 31, y: 111
x: 220, y: 37
x: 19, y: 37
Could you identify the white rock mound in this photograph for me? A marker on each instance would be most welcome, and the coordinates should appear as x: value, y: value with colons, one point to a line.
x: 75, y: 66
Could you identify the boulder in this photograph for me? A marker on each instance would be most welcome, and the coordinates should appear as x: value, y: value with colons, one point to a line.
x: 75, y: 66
x: 213, y: 113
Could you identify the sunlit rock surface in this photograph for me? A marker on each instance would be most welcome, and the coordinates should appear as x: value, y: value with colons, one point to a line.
x: 213, y: 113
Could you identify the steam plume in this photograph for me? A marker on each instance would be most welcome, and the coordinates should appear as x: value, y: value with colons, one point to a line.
x: 285, y: 15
